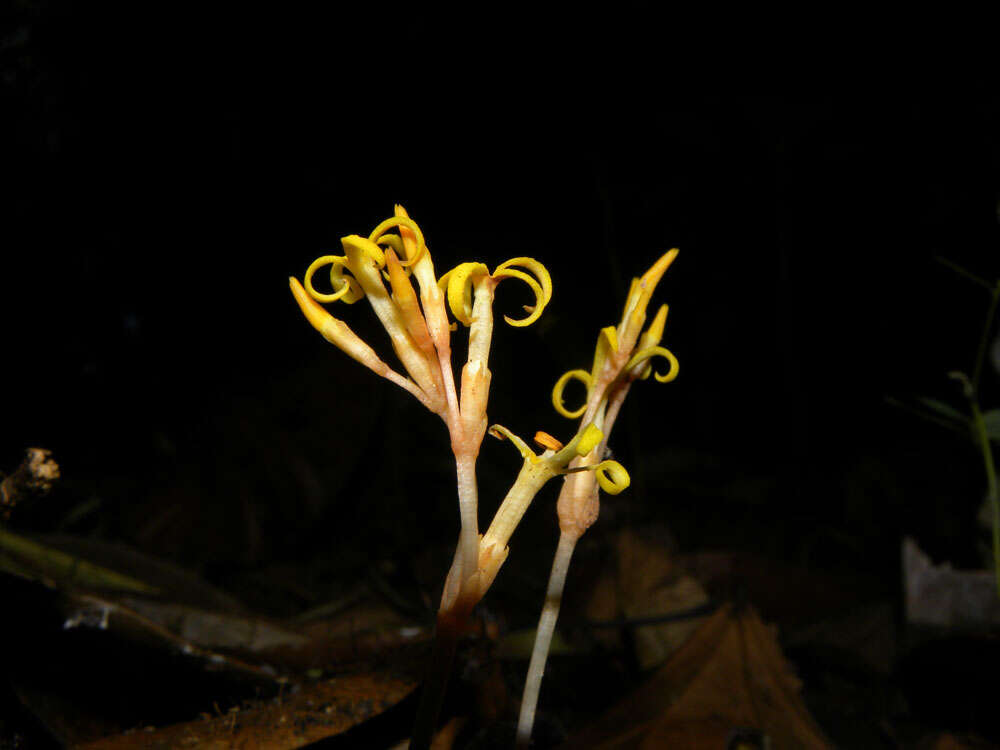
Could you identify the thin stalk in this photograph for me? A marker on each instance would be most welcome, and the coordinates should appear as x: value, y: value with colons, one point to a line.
x: 962, y: 271
x: 985, y: 337
x: 991, y: 483
x: 543, y: 637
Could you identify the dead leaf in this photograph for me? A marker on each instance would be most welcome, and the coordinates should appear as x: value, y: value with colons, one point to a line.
x: 646, y: 583
x: 729, y: 676
x: 318, y: 711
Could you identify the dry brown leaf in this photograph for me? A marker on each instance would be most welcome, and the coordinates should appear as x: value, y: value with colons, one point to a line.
x: 646, y: 583
x: 729, y: 675
x: 318, y: 711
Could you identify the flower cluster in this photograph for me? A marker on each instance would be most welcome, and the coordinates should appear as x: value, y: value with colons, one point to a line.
x: 380, y: 268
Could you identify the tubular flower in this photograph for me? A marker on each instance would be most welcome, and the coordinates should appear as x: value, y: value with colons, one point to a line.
x: 469, y: 289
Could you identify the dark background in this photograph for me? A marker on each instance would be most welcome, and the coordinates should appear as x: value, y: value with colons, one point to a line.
x: 165, y: 174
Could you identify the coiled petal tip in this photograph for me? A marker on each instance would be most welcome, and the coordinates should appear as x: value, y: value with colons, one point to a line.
x: 557, y: 392
x: 346, y: 288
x: 656, y: 351
x: 379, y: 236
x: 612, y: 477
x: 540, y: 284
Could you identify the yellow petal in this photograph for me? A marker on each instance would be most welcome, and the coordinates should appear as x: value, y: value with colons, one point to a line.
x: 642, y: 291
x: 656, y: 351
x: 607, y: 341
x: 402, y: 221
x: 652, y: 277
x: 460, y: 280
x: 540, y: 301
x: 315, y: 313
x: 540, y: 271
x: 333, y: 330
x: 406, y: 299
x: 557, y: 393
x: 347, y: 288
x: 654, y: 334
x: 612, y: 477
x: 353, y: 242
x: 394, y: 241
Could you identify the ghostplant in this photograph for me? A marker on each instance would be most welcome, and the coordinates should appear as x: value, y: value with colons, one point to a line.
x: 380, y: 267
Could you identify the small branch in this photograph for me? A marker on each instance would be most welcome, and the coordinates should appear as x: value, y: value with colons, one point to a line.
x: 963, y: 272
x: 984, y: 339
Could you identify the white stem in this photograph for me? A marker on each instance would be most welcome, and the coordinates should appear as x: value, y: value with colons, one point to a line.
x: 543, y: 637
x: 468, y: 506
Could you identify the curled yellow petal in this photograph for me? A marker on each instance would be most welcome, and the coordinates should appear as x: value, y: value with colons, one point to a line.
x: 540, y: 271
x: 460, y: 281
x: 612, y: 477
x: 500, y: 433
x: 401, y: 221
x: 557, y: 393
x: 347, y: 288
x: 540, y: 301
x: 656, y: 351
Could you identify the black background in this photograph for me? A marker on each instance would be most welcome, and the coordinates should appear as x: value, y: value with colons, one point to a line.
x: 167, y: 171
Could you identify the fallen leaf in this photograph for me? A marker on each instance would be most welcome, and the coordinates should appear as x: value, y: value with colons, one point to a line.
x: 730, y: 676
x: 318, y: 711
x: 645, y: 584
